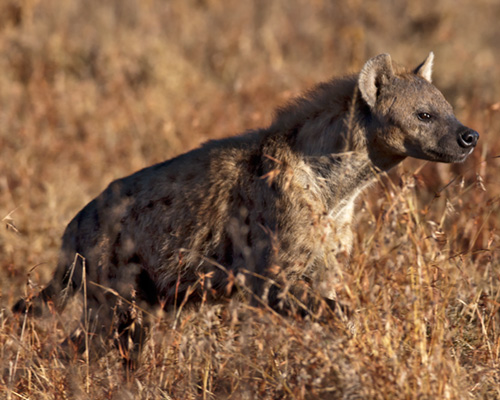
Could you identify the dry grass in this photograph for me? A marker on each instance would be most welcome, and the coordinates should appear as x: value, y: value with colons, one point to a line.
x: 91, y: 91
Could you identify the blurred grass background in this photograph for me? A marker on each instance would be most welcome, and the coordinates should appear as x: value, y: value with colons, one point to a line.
x: 91, y: 91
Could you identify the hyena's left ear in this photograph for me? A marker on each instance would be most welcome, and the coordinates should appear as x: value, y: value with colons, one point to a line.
x: 425, y: 69
x: 375, y: 73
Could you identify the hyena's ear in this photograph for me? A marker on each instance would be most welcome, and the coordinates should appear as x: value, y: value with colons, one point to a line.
x: 425, y: 69
x: 376, y: 72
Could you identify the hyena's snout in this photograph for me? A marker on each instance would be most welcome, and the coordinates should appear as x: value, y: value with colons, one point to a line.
x: 454, y: 146
x: 467, y: 138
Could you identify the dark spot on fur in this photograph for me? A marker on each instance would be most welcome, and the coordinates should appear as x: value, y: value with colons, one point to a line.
x: 134, y: 214
x: 260, y: 219
x: 147, y: 289
x: 189, y: 176
x: 255, y: 165
x: 247, y: 219
x: 285, y: 245
x: 172, y: 178
x: 167, y: 201
x: 168, y: 255
x: 304, y: 250
x: 114, y: 256
x: 135, y: 259
x: 228, y: 252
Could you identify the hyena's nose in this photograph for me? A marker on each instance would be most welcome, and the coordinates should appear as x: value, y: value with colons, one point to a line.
x: 468, y: 138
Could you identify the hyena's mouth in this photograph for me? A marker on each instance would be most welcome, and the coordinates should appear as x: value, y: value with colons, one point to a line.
x: 439, y: 156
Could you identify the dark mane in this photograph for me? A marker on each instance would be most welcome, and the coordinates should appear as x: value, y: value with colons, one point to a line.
x: 326, y: 95
x: 331, y: 111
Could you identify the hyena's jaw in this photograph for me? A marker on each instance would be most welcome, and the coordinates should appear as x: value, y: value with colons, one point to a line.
x: 437, y: 156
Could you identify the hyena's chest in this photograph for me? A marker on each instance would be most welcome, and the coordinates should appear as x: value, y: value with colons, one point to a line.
x: 315, y: 239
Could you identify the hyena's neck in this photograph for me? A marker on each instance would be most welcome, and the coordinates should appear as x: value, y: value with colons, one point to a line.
x: 329, y: 129
x: 343, y: 176
x: 340, y: 178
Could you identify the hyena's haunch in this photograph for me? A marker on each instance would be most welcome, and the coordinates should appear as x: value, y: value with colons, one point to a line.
x: 272, y: 205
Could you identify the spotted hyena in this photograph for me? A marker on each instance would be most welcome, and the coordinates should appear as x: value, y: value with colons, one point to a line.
x: 271, y: 205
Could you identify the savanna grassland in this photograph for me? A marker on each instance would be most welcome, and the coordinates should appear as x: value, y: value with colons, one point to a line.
x: 91, y: 91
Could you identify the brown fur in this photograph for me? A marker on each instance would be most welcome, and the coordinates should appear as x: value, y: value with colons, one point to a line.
x: 273, y: 203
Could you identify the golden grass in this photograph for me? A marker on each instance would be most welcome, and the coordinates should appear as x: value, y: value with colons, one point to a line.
x: 91, y: 91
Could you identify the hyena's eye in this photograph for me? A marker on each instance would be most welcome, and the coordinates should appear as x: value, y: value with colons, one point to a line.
x: 423, y: 116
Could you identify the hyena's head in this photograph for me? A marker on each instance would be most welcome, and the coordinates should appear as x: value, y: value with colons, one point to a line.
x: 410, y: 115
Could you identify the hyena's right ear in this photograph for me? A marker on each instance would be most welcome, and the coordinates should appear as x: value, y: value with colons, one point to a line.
x: 425, y: 69
x: 376, y: 72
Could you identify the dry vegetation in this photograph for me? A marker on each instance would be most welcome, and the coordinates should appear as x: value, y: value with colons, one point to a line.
x: 91, y: 91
